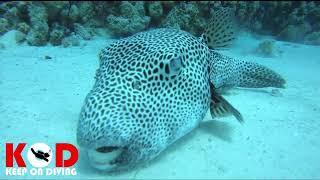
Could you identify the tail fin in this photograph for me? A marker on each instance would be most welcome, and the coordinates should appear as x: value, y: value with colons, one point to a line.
x: 227, y: 72
x: 221, y: 29
x: 255, y: 76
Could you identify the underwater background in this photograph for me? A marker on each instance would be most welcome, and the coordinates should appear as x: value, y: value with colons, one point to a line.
x: 49, y: 55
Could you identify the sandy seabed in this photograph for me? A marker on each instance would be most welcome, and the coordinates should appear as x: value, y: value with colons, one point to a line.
x: 40, y: 100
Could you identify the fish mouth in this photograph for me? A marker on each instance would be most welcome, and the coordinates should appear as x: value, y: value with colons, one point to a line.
x: 107, y: 149
x: 104, y: 158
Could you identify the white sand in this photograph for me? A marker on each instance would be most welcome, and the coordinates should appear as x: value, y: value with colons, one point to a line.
x: 40, y: 101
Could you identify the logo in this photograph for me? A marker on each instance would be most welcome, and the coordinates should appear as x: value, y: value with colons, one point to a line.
x: 40, y: 156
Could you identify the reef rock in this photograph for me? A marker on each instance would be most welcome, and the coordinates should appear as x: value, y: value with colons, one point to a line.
x: 70, y: 15
x: 86, y: 11
x: 4, y: 25
x: 82, y: 31
x: 56, y: 37
x: 38, y: 35
x: 72, y: 40
x: 288, y: 20
x: 294, y: 33
x: 185, y: 16
x: 267, y: 48
x: 132, y: 19
x: 23, y: 27
x: 20, y: 36
x: 155, y: 9
x: 54, y: 9
x: 313, y: 38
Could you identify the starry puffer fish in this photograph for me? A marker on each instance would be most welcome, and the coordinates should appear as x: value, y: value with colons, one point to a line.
x: 154, y: 87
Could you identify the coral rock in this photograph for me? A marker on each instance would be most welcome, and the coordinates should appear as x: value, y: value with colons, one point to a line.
x: 70, y: 15
x: 155, y: 9
x: 313, y: 38
x: 23, y: 27
x: 82, y: 31
x: 288, y: 20
x: 56, y: 37
x: 131, y: 20
x: 20, y: 36
x: 36, y: 38
x: 54, y: 8
x: 294, y: 33
x: 72, y: 40
x: 266, y: 49
x: 186, y: 16
x: 168, y: 4
x: 38, y: 35
x: 127, y: 9
x: 86, y: 11
x: 11, y: 15
x: 4, y: 25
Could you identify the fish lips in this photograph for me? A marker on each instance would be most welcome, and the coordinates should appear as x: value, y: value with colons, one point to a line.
x: 104, y: 158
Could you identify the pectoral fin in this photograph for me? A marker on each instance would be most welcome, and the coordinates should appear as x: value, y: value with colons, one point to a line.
x: 220, y: 107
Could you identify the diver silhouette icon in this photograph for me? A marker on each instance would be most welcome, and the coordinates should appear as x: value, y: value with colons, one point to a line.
x: 40, y: 155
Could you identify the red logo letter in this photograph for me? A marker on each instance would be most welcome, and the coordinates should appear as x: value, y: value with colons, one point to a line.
x: 16, y: 154
x: 60, y: 147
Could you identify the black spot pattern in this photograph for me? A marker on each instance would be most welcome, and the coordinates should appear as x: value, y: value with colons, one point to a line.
x: 227, y: 72
x: 220, y: 31
x: 137, y: 103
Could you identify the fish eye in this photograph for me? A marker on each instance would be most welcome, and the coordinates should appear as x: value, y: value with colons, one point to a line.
x: 175, y: 65
x: 136, y: 85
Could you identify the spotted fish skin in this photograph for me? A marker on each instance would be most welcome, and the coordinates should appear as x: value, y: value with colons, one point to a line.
x: 151, y: 89
x: 227, y: 72
x: 137, y: 103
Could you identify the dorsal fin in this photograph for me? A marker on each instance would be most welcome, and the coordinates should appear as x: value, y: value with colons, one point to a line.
x: 220, y: 107
x: 221, y: 29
